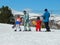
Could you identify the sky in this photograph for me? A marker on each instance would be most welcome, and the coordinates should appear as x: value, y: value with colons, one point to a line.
x: 35, y: 5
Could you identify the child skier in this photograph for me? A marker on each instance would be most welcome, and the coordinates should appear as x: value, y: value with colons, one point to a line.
x: 38, y: 24
x: 18, y: 22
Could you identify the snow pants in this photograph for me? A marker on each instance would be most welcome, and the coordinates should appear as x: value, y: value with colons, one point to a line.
x: 38, y: 28
x: 47, y: 26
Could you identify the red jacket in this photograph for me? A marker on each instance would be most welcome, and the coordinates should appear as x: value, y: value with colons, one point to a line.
x: 38, y: 23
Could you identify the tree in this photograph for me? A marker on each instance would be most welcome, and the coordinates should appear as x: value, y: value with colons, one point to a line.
x: 5, y: 15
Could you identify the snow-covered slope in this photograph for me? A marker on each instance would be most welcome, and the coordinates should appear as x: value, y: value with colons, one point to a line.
x: 9, y: 37
x: 56, y: 18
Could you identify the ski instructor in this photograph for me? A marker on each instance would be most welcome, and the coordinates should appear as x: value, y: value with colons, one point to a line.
x: 46, y: 16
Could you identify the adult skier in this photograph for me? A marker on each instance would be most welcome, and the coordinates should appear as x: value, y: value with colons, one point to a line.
x: 26, y: 21
x: 46, y: 16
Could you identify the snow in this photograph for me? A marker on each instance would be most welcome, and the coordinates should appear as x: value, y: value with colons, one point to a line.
x: 58, y: 23
x: 9, y: 37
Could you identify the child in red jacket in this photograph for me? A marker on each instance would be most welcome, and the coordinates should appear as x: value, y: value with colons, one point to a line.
x: 38, y: 24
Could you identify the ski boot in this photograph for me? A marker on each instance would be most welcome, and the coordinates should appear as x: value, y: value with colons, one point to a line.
x: 20, y: 30
x: 15, y: 30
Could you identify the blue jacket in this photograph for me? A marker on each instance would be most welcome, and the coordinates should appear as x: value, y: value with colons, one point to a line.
x: 46, y: 16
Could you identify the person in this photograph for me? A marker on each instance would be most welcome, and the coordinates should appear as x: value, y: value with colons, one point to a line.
x: 18, y: 22
x: 15, y: 22
x: 38, y: 24
x: 46, y: 16
x: 26, y: 21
